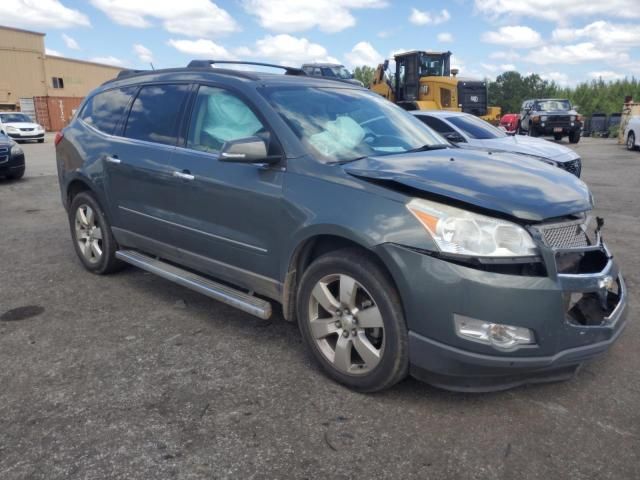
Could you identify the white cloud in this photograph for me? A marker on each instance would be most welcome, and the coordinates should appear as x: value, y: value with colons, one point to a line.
x: 109, y: 60
x: 144, y: 54
x: 607, y: 75
x: 51, y: 51
x: 298, y: 15
x: 602, y: 33
x: 290, y: 50
x: 363, y: 53
x: 419, y: 17
x: 560, y: 78
x: 516, y: 36
x: 192, y: 18
x: 509, y: 56
x: 557, y: 10
x: 70, y: 42
x: 41, y: 14
x: 445, y: 37
x: 201, y: 48
x: 572, y: 54
x: 505, y: 67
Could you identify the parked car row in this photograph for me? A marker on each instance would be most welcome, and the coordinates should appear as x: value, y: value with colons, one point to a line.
x: 395, y: 251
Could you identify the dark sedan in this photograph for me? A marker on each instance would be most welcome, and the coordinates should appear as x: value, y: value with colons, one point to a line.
x: 11, y: 158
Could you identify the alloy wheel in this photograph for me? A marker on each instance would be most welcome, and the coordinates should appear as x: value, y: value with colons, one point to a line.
x: 88, y: 234
x: 346, y: 324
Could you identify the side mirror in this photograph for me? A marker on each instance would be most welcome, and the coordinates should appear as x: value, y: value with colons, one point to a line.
x: 247, y: 150
x: 454, y: 137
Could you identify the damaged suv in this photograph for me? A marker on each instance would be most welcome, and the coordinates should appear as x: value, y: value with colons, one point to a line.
x: 394, y: 251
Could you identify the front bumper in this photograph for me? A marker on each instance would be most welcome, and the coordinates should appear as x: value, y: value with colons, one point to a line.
x: 11, y: 164
x: 546, y: 129
x: 434, y: 291
x: 26, y: 135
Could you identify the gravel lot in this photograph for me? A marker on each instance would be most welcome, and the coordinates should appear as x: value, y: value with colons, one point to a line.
x: 132, y: 377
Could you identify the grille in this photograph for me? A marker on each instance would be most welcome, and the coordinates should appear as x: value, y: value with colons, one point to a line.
x: 574, y: 166
x: 565, y: 236
x: 557, y: 119
x: 4, y: 154
x: 26, y: 129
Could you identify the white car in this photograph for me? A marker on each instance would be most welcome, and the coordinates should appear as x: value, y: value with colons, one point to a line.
x: 466, y: 130
x: 632, y: 133
x: 20, y: 127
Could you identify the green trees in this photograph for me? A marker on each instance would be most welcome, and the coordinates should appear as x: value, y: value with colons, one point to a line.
x: 364, y: 74
x: 511, y: 88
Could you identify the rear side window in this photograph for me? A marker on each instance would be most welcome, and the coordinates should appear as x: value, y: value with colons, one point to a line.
x: 105, y: 109
x: 155, y: 113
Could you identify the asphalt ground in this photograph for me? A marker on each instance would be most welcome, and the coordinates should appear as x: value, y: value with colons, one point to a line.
x: 132, y: 377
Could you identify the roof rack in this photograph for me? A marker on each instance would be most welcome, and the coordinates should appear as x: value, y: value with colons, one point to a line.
x: 208, y: 63
x: 128, y: 73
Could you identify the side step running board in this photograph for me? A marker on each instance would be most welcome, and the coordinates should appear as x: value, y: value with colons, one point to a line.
x: 242, y: 301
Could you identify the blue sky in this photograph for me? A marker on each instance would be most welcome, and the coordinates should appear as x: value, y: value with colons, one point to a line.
x: 564, y: 40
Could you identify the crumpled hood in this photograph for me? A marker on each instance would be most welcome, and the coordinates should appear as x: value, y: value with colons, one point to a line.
x: 517, y: 186
x: 529, y: 146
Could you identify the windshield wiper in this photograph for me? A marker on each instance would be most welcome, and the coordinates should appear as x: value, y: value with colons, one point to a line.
x: 425, y: 148
x: 341, y: 162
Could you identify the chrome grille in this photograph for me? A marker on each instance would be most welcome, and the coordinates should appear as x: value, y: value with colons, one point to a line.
x: 570, y: 235
x: 574, y: 166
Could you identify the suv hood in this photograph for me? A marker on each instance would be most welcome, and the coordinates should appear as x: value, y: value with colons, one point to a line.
x: 516, y: 186
x: 528, y: 146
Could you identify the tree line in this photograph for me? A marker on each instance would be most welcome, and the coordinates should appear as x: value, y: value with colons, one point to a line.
x: 510, y: 89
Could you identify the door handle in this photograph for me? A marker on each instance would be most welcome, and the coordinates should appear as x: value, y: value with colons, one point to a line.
x: 112, y: 159
x: 183, y: 175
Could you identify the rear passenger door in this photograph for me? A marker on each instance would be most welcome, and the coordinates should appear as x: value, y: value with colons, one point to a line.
x: 228, y: 215
x: 138, y: 172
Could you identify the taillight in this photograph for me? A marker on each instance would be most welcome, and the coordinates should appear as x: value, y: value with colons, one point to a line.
x: 58, y: 139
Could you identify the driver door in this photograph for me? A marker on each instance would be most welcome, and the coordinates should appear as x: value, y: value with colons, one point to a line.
x: 228, y: 216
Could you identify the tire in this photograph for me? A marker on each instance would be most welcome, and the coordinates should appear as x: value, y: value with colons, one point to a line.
x: 631, y: 141
x: 94, y: 228
x: 324, y: 332
x: 574, y: 137
x: 41, y: 140
x: 16, y: 175
x: 557, y: 137
x: 532, y: 132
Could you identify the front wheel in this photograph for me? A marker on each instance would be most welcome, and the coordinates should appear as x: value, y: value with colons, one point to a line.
x: 41, y: 140
x: 351, y: 320
x: 91, y: 234
x: 532, y: 131
x: 574, y: 137
x: 557, y: 137
x: 631, y: 141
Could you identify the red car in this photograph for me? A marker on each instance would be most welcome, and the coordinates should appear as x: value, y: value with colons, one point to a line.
x: 509, y: 122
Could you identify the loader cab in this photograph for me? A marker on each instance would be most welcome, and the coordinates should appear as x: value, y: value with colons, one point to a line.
x: 412, y: 66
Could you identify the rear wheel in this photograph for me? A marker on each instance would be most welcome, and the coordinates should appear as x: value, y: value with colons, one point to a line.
x: 351, y: 320
x: 574, y: 137
x: 631, y: 141
x: 91, y: 234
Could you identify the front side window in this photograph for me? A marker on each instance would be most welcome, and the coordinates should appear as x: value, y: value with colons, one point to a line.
x: 475, y: 127
x: 437, y: 124
x: 104, y: 110
x: 328, y: 72
x: 219, y: 116
x: 155, y: 113
x: 343, y: 124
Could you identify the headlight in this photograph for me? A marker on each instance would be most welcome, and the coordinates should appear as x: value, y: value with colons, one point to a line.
x: 462, y: 232
x: 573, y: 118
x: 16, y: 150
x: 543, y: 118
x: 12, y: 129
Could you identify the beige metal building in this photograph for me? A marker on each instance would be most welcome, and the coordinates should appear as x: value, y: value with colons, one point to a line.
x: 45, y: 86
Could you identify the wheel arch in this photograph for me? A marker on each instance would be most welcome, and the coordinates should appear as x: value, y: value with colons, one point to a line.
x: 313, y: 246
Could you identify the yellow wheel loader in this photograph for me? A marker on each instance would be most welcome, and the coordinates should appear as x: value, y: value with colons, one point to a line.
x: 425, y: 81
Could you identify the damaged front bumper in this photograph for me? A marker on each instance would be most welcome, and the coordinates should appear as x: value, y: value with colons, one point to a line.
x: 577, y: 310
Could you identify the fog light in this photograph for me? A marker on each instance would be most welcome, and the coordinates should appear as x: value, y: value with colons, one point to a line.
x: 498, y: 335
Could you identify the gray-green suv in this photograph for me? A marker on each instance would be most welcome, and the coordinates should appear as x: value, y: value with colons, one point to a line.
x: 395, y: 251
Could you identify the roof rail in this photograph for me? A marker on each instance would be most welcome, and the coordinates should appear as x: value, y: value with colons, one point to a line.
x: 208, y: 63
x: 128, y: 73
